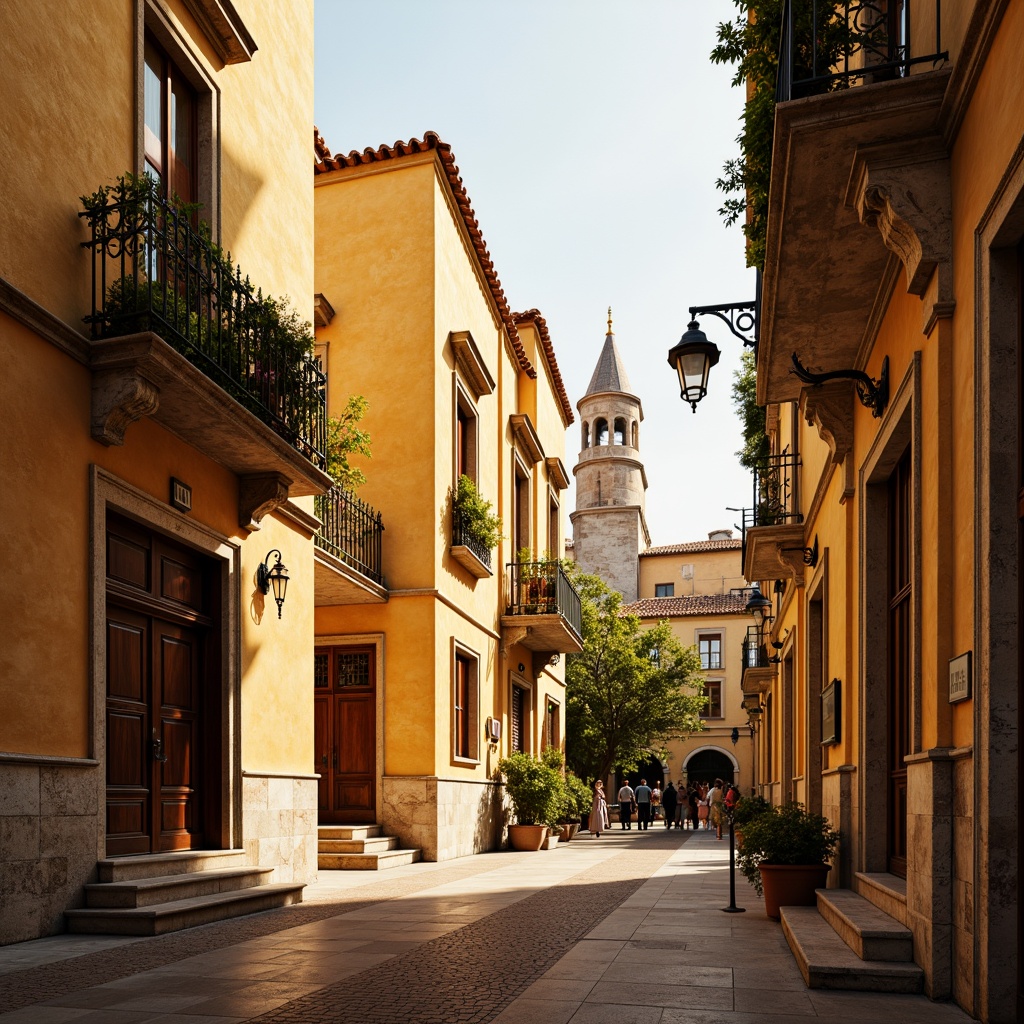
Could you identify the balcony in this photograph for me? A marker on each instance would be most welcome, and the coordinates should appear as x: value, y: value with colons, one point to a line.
x: 859, y: 182
x: 773, y: 527
x: 181, y: 336
x: 758, y: 670
x: 543, y: 610
x: 349, y: 548
x: 473, y: 555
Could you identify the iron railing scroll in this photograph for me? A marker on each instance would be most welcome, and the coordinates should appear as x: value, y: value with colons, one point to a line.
x: 352, y: 531
x: 153, y: 270
x: 543, y: 588
x: 826, y: 45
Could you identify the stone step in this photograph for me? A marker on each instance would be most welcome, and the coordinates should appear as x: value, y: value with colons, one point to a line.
x: 868, y: 931
x: 366, y: 861
x: 348, y: 831
x: 179, y: 914
x: 887, y: 892
x: 825, y: 961
x: 178, y: 862
x: 147, y: 892
x: 377, y: 844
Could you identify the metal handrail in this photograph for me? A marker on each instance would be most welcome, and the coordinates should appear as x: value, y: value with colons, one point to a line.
x: 152, y: 270
x: 835, y: 45
x: 543, y: 588
x: 351, y: 530
x: 754, y: 650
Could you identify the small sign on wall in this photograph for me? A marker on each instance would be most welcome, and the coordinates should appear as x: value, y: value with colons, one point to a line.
x: 960, y: 681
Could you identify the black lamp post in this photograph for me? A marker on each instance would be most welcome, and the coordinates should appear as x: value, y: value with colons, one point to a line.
x: 760, y: 607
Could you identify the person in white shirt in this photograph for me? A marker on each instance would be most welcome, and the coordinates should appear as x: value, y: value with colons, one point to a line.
x: 626, y: 796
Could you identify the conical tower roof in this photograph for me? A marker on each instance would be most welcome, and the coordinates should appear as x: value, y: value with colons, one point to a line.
x: 610, y: 372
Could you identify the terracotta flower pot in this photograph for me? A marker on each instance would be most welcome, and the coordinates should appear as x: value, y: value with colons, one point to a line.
x: 569, y: 829
x: 791, y: 885
x: 527, y: 837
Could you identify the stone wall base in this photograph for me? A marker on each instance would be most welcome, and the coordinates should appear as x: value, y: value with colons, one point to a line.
x: 51, y: 836
x: 445, y: 818
x: 279, y: 822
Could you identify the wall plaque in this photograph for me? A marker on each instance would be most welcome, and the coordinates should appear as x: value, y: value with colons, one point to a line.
x: 960, y: 678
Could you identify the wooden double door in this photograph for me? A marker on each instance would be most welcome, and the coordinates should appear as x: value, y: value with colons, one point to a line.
x: 345, y: 733
x: 161, y: 717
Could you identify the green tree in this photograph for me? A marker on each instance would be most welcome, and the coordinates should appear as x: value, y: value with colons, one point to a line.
x: 629, y: 691
x: 345, y: 438
x: 744, y: 398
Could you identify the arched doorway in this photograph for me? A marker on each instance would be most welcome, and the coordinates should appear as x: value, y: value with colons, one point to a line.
x: 708, y: 764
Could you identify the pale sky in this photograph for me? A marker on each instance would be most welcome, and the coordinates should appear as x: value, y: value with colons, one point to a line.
x: 589, y: 135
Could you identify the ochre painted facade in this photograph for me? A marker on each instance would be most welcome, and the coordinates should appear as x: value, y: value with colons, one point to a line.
x: 424, y: 333
x: 914, y: 224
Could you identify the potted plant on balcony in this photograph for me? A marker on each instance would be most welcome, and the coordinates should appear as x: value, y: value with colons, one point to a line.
x: 785, y: 856
x: 533, y: 788
x: 476, y: 515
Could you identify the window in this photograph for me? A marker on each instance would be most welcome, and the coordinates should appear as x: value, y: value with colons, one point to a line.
x: 465, y: 436
x: 586, y: 435
x: 552, y: 738
x: 709, y: 646
x: 636, y: 437
x: 713, y: 692
x: 520, y: 507
x: 553, y: 525
x: 601, y: 432
x: 171, y: 114
x: 664, y: 590
x: 465, y: 724
x: 518, y: 738
x: 620, y: 431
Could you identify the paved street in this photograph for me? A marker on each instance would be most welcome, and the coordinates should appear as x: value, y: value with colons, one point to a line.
x: 626, y: 929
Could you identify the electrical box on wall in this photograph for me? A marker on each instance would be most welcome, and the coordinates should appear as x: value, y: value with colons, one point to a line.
x: 493, y: 729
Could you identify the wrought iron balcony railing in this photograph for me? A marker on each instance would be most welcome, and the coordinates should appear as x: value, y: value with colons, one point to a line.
x: 775, y: 494
x: 352, y: 531
x: 542, y: 588
x: 755, y: 652
x: 827, y: 45
x: 462, y: 535
x: 152, y: 270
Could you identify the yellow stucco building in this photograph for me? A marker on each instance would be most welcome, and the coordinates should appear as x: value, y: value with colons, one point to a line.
x: 155, y: 703
x: 889, y: 534
x: 466, y: 642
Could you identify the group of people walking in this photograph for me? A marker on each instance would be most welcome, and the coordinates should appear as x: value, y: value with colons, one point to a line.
x: 699, y: 805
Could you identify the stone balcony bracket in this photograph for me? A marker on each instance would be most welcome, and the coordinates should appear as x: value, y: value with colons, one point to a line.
x: 776, y: 552
x: 757, y: 680
x: 829, y: 409
x: 903, y: 189
x: 259, y: 494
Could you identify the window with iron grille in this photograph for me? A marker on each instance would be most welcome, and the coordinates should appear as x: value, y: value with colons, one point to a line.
x: 517, y: 740
x: 352, y: 668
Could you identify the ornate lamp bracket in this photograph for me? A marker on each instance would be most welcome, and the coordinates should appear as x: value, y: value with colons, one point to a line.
x: 737, y: 316
x: 872, y: 393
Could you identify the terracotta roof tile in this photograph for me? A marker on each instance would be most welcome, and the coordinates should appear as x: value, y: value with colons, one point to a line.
x: 431, y: 141
x: 534, y: 316
x: 698, y: 604
x: 695, y: 547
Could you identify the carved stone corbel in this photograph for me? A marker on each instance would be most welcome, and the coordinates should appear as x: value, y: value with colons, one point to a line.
x: 119, y: 398
x: 829, y: 409
x: 258, y: 495
x: 511, y: 635
x: 903, y: 189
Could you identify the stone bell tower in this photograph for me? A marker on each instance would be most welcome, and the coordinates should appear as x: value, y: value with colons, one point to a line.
x: 609, y: 525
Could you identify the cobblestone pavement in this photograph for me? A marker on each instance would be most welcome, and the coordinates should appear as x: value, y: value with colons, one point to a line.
x: 627, y: 929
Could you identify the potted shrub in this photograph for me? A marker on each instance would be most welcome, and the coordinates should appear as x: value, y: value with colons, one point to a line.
x: 533, y: 788
x: 574, y: 797
x: 746, y: 810
x: 785, y: 856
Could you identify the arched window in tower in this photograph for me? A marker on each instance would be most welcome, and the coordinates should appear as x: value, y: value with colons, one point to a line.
x: 601, y: 431
x: 636, y: 434
x: 620, y: 431
x: 586, y: 435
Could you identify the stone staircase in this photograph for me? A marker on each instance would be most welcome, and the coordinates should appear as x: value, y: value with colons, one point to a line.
x: 359, y: 848
x: 856, y: 942
x: 166, y: 892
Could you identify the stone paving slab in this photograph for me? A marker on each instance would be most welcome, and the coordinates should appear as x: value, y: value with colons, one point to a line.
x: 624, y: 930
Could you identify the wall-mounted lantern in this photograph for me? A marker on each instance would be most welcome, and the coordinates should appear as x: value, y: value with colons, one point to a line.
x: 275, y: 576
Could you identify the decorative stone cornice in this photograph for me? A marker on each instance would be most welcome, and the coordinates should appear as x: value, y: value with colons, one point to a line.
x: 775, y: 552
x: 119, y: 399
x: 471, y: 363
x: 903, y: 189
x: 258, y: 495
